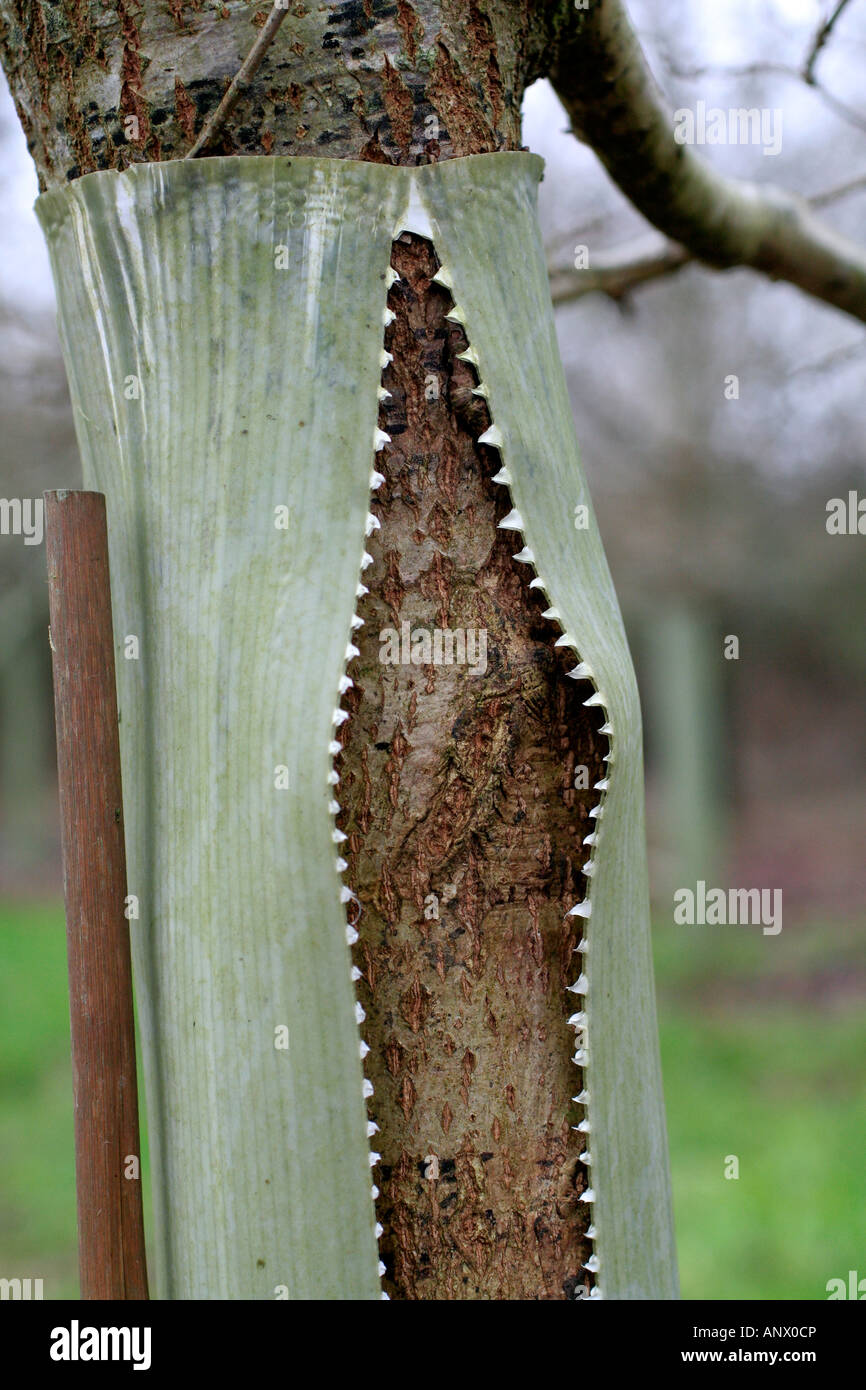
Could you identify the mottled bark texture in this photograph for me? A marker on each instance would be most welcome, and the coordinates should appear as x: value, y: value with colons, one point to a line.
x: 99, y: 84
x: 464, y: 848
x: 458, y: 789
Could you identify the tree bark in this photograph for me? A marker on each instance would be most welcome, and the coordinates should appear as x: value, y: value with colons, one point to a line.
x: 465, y: 845
x: 459, y: 793
x: 368, y: 79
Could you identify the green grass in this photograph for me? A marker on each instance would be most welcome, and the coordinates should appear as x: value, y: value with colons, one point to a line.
x: 785, y: 1095
x: 37, y: 1155
x: 37, y: 1178
x: 753, y: 1067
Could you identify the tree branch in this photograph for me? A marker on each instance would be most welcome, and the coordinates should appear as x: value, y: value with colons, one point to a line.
x: 626, y: 267
x: 804, y: 73
x: 757, y: 69
x: 822, y: 34
x: 620, y: 271
x: 241, y: 80
x: 603, y: 80
x: 842, y: 190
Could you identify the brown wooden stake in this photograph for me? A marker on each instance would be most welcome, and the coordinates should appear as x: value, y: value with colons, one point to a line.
x: 111, y: 1252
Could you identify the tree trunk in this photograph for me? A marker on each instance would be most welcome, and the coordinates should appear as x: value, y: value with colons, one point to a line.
x: 465, y: 801
x: 103, y: 85
x: 465, y: 844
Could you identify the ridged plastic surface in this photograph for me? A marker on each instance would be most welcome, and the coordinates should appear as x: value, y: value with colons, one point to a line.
x: 258, y: 390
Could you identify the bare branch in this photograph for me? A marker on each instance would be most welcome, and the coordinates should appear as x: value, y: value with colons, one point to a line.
x: 804, y: 73
x: 848, y: 353
x: 575, y: 235
x: 822, y: 34
x: 840, y: 108
x: 241, y: 80
x: 620, y: 271
x: 603, y: 80
x: 647, y: 259
x: 843, y: 190
x: 756, y: 69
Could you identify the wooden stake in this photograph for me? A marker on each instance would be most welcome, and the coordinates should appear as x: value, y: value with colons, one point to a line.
x: 107, y: 1152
